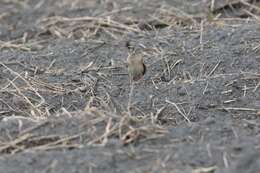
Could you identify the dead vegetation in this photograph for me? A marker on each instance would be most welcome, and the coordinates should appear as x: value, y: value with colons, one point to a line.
x: 64, y: 86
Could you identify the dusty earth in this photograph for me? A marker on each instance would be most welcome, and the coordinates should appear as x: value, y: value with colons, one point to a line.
x: 66, y: 104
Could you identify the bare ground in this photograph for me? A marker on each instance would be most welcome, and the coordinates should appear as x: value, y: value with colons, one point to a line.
x: 66, y: 103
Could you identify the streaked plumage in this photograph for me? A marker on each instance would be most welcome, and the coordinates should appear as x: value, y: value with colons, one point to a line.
x: 136, y: 67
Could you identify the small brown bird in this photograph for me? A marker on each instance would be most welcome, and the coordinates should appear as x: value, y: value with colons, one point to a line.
x: 136, y: 66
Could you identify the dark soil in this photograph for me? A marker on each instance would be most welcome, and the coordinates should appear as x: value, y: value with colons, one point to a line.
x: 66, y: 103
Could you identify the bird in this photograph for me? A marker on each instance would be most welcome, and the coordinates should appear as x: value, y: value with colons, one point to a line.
x: 136, y: 66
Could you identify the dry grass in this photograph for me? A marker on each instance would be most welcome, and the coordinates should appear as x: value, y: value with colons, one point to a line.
x: 104, y: 119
